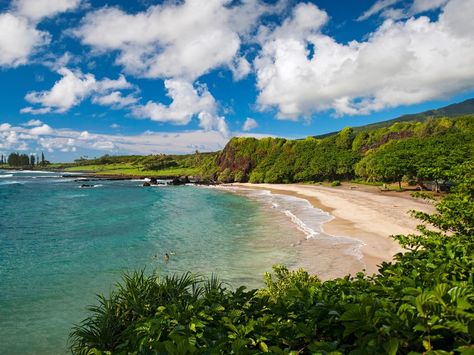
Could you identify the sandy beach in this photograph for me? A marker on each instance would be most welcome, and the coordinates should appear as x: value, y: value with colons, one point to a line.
x: 360, y: 212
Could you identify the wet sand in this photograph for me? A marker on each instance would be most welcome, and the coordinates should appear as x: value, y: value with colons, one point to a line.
x: 361, y: 212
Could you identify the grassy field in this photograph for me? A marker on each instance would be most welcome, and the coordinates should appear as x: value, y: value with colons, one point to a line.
x: 129, y: 169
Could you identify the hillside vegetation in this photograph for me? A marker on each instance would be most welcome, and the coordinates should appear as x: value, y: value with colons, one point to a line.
x: 404, y: 151
x: 422, y: 303
x: 161, y: 165
x: 414, y: 151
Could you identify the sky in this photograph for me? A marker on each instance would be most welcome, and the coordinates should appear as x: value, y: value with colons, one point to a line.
x: 84, y: 78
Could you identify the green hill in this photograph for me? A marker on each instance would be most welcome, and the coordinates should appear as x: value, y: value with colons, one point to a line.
x: 462, y: 108
x: 405, y: 150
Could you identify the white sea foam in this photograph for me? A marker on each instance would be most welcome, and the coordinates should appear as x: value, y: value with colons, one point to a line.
x: 35, y: 172
x: 11, y: 182
x: 309, y: 232
x: 90, y: 186
x: 6, y: 176
x: 44, y: 177
x: 74, y: 196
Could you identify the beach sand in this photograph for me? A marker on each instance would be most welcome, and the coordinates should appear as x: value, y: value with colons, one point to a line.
x: 361, y: 212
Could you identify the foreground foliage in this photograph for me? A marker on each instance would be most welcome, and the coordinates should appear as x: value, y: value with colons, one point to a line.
x: 423, y: 302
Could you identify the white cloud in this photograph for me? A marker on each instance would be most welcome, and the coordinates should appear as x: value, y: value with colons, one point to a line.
x: 187, y: 101
x: 176, y: 39
x: 19, y: 39
x: 376, y: 8
x: 249, y: 124
x: 69, y: 91
x: 5, y: 127
x: 39, y: 9
x: 116, y: 100
x: 17, y: 138
x: 41, y: 130
x: 401, y: 63
x: 73, y: 88
x: 33, y: 123
x: 420, y: 6
x: 240, y: 68
x: 36, y: 111
x: 386, y: 9
x: 19, y: 36
x: 68, y: 140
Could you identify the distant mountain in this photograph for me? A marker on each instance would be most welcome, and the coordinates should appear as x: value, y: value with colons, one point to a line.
x: 453, y: 110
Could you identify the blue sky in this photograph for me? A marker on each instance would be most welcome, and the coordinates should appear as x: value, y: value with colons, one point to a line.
x: 95, y: 77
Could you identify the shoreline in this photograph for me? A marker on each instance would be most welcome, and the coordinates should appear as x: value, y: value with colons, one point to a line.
x: 363, y: 214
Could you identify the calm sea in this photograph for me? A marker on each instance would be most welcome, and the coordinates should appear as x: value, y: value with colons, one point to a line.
x: 61, y: 244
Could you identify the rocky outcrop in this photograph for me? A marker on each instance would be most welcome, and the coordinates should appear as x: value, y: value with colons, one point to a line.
x: 182, y: 180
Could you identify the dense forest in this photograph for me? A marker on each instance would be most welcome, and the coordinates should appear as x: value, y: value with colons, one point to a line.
x: 411, y: 151
x: 422, y: 303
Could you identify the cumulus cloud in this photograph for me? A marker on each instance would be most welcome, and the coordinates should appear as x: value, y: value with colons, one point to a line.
x: 73, y: 88
x: 39, y: 9
x: 19, y: 39
x: 249, y: 124
x: 19, y: 36
x: 44, y: 129
x: 116, y: 100
x: 187, y: 101
x: 176, y: 39
x: 17, y: 138
x: 401, y: 63
x: 33, y: 123
x: 420, y: 6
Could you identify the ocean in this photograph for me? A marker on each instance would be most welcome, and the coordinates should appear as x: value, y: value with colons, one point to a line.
x: 61, y: 245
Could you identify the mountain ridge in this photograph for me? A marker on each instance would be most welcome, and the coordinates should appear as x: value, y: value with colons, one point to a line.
x: 453, y: 110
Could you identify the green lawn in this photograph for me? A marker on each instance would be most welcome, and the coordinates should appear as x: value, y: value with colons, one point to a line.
x: 129, y: 169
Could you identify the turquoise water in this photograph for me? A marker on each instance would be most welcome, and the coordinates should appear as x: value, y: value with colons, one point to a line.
x: 61, y: 244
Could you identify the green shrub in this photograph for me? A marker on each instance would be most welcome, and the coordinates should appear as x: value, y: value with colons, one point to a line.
x: 256, y: 177
x: 336, y: 183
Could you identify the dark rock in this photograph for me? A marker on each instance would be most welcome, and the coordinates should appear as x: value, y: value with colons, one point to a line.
x: 146, y: 183
x: 179, y: 181
x: 153, y: 181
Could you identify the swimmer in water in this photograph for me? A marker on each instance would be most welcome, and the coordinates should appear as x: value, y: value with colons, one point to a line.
x: 166, y: 258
